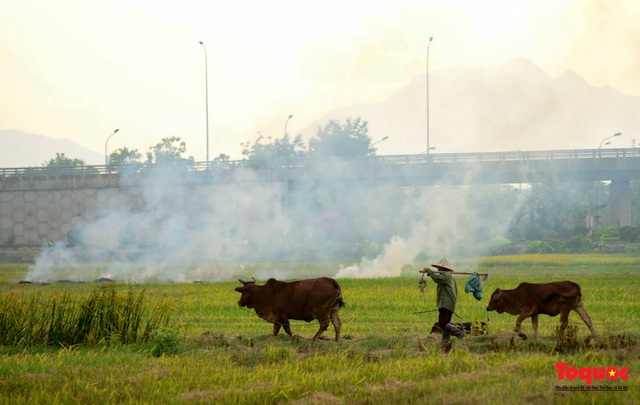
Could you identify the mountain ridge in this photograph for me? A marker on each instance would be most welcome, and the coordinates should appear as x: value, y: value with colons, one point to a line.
x: 23, y: 149
x: 512, y: 106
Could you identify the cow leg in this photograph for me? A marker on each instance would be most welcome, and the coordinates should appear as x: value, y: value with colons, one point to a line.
x: 564, y: 322
x: 324, y: 324
x: 276, y: 328
x: 521, y: 318
x: 287, y: 328
x: 534, y: 323
x: 278, y: 324
x: 337, y: 324
x: 586, y: 318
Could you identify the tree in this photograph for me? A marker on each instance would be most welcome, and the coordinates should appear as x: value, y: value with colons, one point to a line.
x: 62, y: 161
x: 557, y: 210
x: 222, y: 158
x: 280, y: 149
x: 169, y: 150
x: 348, y: 139
x: 124, y: 156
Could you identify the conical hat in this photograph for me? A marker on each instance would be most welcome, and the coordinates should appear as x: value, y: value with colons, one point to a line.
x: 443, y: 264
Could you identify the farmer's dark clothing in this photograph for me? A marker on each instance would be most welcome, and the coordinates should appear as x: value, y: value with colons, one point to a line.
x: 447, y: 291
x: 444, y: 317
x: 447, y: 295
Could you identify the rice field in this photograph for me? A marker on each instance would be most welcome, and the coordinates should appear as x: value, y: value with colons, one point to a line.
x: 216, y: 352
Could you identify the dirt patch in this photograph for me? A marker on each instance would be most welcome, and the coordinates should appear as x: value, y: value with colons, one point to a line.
x: 206, y: 396
x: 392, y: 386
x: 318, y: 398
x: 36, y: 377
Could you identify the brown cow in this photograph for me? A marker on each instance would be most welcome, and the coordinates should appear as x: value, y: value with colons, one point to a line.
x: 278, y: 301
x: 531, y: 300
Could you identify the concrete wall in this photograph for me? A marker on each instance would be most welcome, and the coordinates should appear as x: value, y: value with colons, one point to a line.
x: 38, y: 217
x: 38, y: 209
x: 620, y: 203
x: 46, y: 209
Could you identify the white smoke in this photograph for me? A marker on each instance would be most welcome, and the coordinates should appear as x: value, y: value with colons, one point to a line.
x: 53, y: 259
x: 446, y: 223
x: 160, y: 227
x: 388, y: 264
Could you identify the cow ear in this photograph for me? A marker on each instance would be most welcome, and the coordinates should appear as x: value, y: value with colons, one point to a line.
x: 239, y: 289
x: 496, y: 295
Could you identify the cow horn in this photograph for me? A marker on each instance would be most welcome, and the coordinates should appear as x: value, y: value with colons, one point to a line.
x: 242, y: 281
x: 254, y: 279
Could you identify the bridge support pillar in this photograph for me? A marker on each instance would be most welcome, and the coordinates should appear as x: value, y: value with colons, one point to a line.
x: 620, y: 203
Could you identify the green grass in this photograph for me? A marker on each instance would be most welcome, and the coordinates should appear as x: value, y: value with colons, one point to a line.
x: 66, y: 319
x: 221, y: 353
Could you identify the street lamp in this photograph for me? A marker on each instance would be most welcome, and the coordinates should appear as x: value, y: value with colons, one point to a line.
x: 106, y: 159
x: 286, y: 122
x: 377, y: 142
x: 612, y: 136
x: 428, y: 47
x: 206, y: 96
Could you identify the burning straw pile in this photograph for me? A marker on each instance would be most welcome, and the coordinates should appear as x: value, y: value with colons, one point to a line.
x: 62, y: 320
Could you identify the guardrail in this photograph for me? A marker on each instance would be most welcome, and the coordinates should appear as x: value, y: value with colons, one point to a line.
x: 292, y: 163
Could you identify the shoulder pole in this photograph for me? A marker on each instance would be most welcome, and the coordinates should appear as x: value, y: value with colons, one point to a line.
x: 455, y: 272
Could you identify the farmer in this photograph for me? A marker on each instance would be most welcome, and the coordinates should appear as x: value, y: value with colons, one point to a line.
x: 447, y: 294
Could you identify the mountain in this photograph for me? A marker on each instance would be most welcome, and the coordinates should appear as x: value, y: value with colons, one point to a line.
x: 20, y: 149
x: 515, y: 106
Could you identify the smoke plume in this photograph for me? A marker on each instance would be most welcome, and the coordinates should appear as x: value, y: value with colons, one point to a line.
x: 174, y: 226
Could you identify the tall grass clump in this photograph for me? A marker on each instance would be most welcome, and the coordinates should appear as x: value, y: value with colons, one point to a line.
x: 62, y: 320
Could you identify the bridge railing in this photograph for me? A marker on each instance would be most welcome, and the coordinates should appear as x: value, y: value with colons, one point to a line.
x: 304, y: 162
x: 514, y: 156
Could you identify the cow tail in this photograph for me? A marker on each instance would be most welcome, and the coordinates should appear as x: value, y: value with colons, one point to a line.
x: 339, y: 301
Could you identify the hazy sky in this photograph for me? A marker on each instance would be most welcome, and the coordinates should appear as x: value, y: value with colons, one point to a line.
x: 79, y: 69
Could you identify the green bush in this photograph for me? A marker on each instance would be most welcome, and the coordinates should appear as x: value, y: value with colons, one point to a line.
x: 164, y: 341
x: 538, y: 246
x: 502, y: 246
x: 62, y: 320
x: 630, y: 233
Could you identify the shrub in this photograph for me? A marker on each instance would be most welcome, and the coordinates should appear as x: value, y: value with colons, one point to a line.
x: 63, y: 320
x: 538, y: 246
x: 502, y: 246
x: 630, y: 233
x: 165, y: 341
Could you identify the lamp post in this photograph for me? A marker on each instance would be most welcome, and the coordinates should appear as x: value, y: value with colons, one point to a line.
x: 286, y: 193
x: 428, y: 47
x: 206, y: 97
x: 377, y: 142
x: 106, y: 159
x: 286, y: 122
x: 612, y: 136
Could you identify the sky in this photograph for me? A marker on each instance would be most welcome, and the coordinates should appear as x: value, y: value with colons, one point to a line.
x: 78, y: 69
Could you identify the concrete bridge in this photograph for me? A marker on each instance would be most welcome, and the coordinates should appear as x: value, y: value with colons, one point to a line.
x: 39, y: 205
